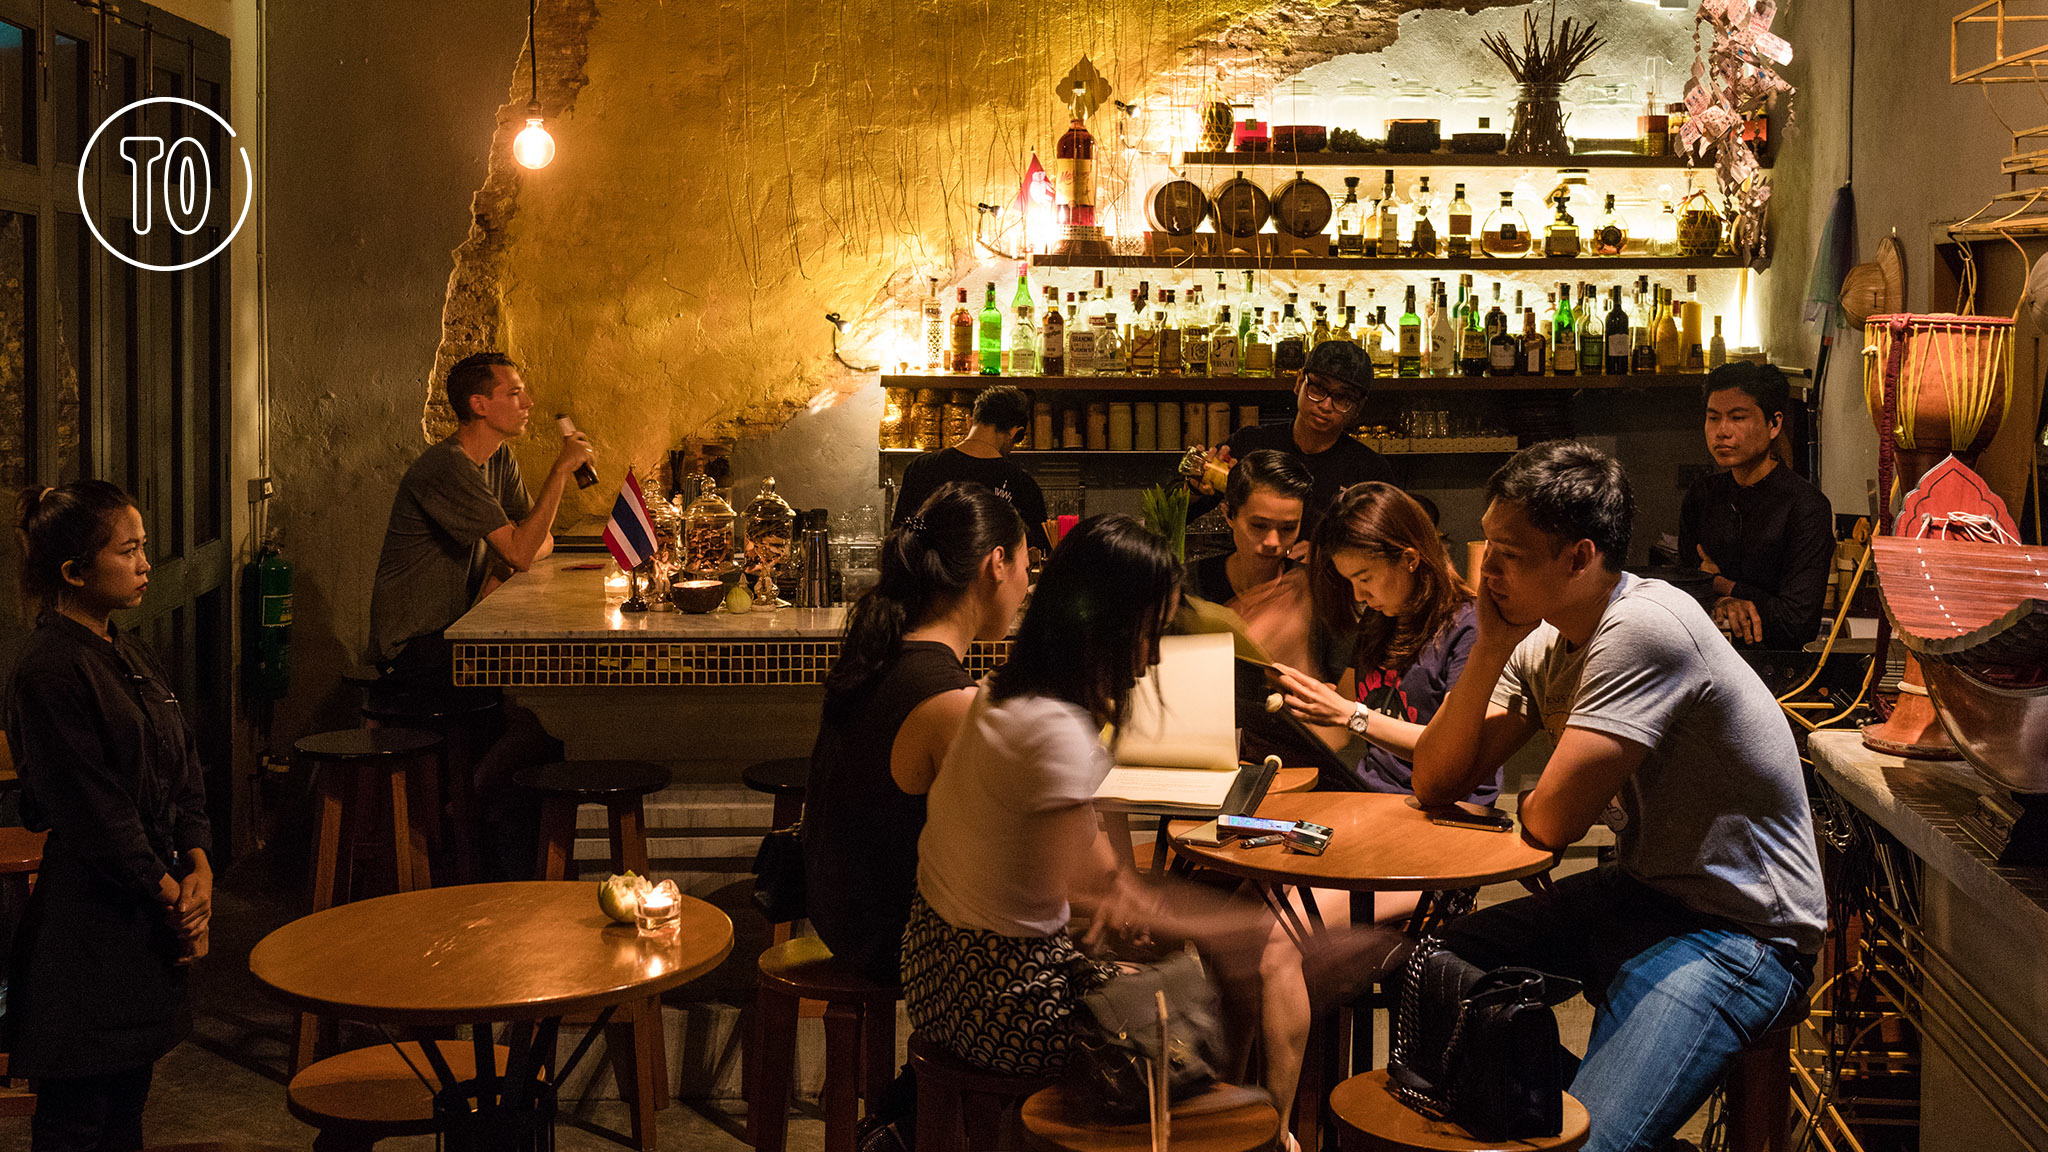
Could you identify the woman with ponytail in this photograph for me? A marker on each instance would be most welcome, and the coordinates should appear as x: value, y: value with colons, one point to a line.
x: 96, y: 985
x: 953, y: 572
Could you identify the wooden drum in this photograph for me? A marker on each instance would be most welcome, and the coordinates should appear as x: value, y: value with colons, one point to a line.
x: 1952, y: 382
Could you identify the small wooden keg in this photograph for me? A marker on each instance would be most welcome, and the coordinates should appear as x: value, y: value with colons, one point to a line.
x: 1176, y: 207
x: 1241, y: 208
x: 1301, y: 208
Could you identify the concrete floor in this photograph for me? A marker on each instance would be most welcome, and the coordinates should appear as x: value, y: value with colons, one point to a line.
x: 227, y: 1081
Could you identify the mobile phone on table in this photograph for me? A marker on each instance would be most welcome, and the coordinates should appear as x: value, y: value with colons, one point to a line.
x: 1455, y: 817
x: 1227, y: 826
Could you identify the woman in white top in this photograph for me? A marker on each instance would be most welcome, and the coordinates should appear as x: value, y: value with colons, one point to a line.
x: 1012, y: 849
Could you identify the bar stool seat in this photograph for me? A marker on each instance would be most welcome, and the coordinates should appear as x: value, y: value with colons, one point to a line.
x: 786, y: 780
x: 1370, y: 1118
x: 21, y: 851
x: 360, y: 1097
x: 860, y: 1041
x: 635, y: 1038
x: 1223, y: 1119
x: 961, y: 1107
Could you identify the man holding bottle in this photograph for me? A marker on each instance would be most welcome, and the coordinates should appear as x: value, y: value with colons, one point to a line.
x: 1329, y: 393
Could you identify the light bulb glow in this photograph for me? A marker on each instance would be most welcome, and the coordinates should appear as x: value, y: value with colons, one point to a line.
x: 533, y: 147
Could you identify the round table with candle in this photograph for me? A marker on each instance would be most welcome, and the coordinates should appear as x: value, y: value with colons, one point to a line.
x: 521, y: 954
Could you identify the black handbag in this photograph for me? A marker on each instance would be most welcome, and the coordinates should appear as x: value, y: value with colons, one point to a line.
x: 779, y: 886
x: 1118, y: 1038
x: 1480, y: 1049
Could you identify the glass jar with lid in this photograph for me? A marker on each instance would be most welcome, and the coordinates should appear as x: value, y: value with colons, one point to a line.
x: 770, y: 523
x: 707, y: 533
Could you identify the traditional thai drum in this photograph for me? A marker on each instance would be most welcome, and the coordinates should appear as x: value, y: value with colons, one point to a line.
x: 1952, y: 381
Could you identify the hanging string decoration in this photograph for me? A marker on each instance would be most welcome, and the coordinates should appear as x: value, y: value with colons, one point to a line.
x: 1734, y: 79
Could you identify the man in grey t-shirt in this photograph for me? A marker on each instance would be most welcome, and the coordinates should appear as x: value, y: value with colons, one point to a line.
x: 1702, y: 933
x: 461, y: 511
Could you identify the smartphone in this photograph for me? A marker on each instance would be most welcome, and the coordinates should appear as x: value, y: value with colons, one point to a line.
x: 1251, y: 825
x: 1454, y: 817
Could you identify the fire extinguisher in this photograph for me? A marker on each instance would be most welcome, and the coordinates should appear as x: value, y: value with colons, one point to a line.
x: 270, y: 643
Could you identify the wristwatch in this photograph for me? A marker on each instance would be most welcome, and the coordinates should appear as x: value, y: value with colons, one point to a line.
x: 1360, y: 717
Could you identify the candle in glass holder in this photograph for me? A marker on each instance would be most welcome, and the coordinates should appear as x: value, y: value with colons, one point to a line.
x: 660, y: 908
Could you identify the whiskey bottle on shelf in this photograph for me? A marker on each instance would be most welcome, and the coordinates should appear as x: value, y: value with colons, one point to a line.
x: 1611, y: 237
x: 1080, y: 341
x: 1346, y: 317
x: 990, y: 333
x: 1290, y: 351
x: 1194, y: 335
x: 1443, y: 337
x: 1717, y: 352
x: 960, y: 349
x: 1320, y: 330
x: 1561, y: 239
x: 1255, y: 351
x: 1617, y: 334
x: 1351, y: 221
x: 1052, y: 355
x: 1534, y: 350
x: 1409, y: 354
x: 1564, y: 335
x: 1383, y: 340
x: 1164, y: 319
x: 1223, y: 346
x: 1074, y: 169
x: 1389, y: 233
x: 1664, y: 339
x: 1496, y: 320
x: 1592, y: 332
x: 1642, y: 356
x: 1472, y: 354
x: 1689, y: 327
x: 1503, y: 351
x: 1111, y: 357
x: 1458, y: 244
x: 1023, y: 329
x: 1506, y: 232
x: 1422, y: 237
x: 1144, y: 346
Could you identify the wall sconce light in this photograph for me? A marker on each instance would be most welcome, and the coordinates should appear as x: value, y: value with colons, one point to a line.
x: 533, y: 147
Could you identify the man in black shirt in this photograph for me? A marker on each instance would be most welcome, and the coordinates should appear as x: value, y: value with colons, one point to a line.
x: 1328, y: 394
x: 1766, y: 534
x: 982, y: 458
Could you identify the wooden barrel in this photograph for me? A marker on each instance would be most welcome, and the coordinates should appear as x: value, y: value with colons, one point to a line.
x: 1241, y: 208
x: 1301, y: 208
x: 1176, y: 207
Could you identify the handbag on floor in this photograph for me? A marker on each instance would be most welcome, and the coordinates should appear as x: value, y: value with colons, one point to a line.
x: 1480, y: 1049
x: 779, y: 886
x: 1117, y: 1037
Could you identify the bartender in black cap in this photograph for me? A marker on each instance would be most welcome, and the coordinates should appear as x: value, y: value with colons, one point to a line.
x: 1329, y: 394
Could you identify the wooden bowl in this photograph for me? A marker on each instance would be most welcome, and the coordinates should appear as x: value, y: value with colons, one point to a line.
x: 696, y: 595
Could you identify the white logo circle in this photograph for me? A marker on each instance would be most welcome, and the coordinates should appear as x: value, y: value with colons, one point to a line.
x: 187, y: 183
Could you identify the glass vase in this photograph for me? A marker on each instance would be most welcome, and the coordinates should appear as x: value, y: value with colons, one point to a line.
x: 1539, y: 122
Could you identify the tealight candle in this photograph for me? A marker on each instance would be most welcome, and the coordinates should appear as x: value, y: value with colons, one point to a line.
x: 660, y: 907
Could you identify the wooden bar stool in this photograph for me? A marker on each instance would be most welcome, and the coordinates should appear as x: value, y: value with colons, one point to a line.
x: 350, y: 766
x: 961, y: 1107
x: 360, y: 1097
x: 638, y: 1049
x: 1759, y: 1094
x: 1223, y: 1119
x: 1370, y: 1118
x: 456, y: 723
x: 860, y: 1041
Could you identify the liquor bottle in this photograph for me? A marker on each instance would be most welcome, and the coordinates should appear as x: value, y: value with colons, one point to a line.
x: 1443, y: 338
x: 1533, y: 348
x: 1195, y: 342
x: 1410, y: 351
x: 1052, y: 356
x: 1387, y: 340
x: 1023, y: 329
x: 991, y: 334
x: 1689, y: 327
x: 1561, y: 239
x: 1564, y: 335
x: 1169, y: 334
x: 1112, y: 358
x: 1642, y: 356
x: 1670, y: 352
x: 1347, y: 317
x: 1592, y: 332
x: 1253, y: 347
x: 1074, y: 169
x: 1351, y: 221
x: 1617, y: 335
x: 1544, y: 314
x: 1717, y: 352
x: 1080, y: 341
x: 1496, y: 320
x: 1664, y: 234
x: 1503, y: 352
x: 1144, y: 346
x: 1223, y: 346
x: 1422, y: 237
x: 1506, y: 233
x: 1472, y: 354
x: 934, y: 330
x: 960, y: 349
x: 1320, y: 330
x: 1459, y: 243
x: 1390, y: 220
x: 586, y: 474
x: 1611, y: 237
x: 1290, y: 349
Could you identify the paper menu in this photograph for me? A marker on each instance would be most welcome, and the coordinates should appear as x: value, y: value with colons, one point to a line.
x: 1187, y: 787
x: 1184, y: 712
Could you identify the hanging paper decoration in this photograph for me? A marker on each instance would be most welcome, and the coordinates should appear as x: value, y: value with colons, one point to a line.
x: 1734, y: 79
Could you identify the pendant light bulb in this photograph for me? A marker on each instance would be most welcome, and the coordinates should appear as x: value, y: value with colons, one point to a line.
x: 533, y: 147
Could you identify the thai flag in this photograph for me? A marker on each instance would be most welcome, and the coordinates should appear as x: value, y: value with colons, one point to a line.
x: 630, y: 534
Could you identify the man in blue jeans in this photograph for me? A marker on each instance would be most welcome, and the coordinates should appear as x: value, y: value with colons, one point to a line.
x: 1702, y: 932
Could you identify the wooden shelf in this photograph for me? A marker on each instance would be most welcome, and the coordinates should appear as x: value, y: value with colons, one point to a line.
x: 1429, y: 160
x: 1590, y: 265
x: 1052, y: 453
x: 1185, y: 384
x: 1534, y: 383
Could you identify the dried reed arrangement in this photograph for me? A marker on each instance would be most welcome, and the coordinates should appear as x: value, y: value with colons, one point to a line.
x: 1543, y: 65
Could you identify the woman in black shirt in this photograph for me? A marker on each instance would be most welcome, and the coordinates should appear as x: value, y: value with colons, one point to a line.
x: 96, y: 990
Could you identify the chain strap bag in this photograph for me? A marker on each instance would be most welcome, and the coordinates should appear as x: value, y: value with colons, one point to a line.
x: 1118, y: 1038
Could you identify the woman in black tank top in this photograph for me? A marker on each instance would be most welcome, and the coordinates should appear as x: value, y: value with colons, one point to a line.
x: 952, y: 572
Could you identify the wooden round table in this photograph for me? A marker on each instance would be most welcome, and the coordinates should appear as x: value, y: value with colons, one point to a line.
x: 1380, y: 842
x: 526, y: 953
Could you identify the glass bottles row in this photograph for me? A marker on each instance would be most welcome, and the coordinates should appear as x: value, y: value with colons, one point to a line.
x: 1390, y: 225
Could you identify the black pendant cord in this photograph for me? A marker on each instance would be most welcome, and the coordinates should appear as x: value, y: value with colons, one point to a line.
x: 532, y: 53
